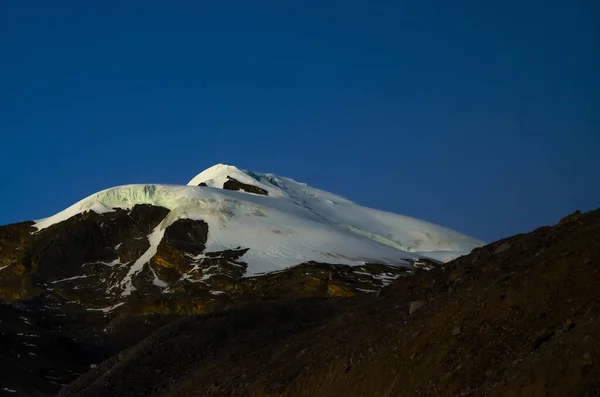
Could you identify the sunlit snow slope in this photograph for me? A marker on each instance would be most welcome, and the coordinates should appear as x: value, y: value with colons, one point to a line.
x: 292, y: 224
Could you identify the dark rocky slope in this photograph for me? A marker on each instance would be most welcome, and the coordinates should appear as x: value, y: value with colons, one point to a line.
x: 234, y: 184
x: 520, y: 317
x: 62, y: 306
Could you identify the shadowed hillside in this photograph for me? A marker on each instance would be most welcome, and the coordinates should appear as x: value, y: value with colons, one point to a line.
x: 519, y: 317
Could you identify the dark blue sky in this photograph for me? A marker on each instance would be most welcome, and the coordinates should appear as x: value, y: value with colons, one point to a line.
x: 483, y: 116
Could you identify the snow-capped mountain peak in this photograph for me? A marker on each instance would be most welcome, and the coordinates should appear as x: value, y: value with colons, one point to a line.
x: 218, y: 175
x: 274, y: 223
x: 274, y: 186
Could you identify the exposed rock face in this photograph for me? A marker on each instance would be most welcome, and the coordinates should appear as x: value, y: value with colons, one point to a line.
x: 95, y: 253
x: 183, y: 240
x: 234, y: 184
x: 14, y: 243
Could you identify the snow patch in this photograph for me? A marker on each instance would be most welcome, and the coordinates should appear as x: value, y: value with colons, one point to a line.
x: 386, y: 278
x: 28, y: 335
x: 112, y: 263
x: 106, y: 309
x: 68, y: 279
x: 154, y: 239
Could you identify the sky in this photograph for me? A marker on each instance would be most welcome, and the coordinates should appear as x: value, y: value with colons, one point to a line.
x: 481, y: 116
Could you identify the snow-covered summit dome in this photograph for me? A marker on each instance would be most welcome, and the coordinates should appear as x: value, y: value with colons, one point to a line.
x: 218, y: 175
x: 282, y: 222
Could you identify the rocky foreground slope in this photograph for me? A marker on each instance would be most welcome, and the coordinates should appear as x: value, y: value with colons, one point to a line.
x: 519, y: 317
